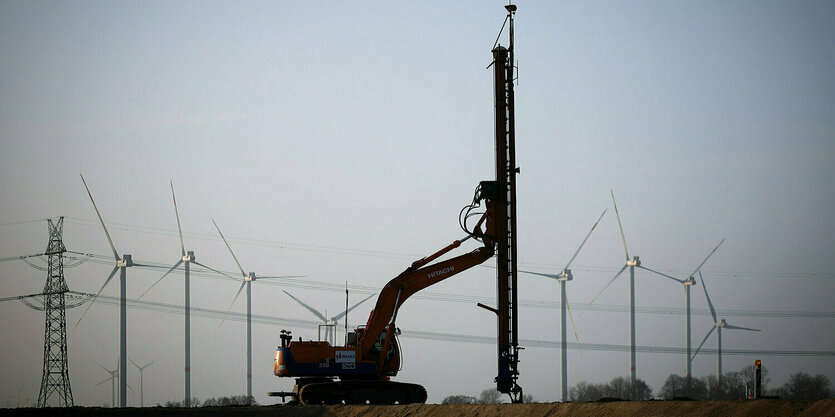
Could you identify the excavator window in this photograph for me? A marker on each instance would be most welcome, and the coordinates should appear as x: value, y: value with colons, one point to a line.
x: 378, y: 345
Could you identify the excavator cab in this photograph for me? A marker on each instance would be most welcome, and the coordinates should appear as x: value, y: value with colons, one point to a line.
x: 391, y: 363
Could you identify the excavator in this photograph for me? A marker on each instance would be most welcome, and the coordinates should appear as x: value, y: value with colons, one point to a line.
x: 360, y: 371
x: 371, y: 354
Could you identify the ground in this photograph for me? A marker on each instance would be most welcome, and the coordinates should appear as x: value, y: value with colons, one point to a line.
x: 760, y: 408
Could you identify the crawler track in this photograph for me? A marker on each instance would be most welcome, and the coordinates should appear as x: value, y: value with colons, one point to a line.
x: 362, y: 392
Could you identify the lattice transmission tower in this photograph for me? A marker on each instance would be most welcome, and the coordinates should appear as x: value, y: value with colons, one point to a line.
x: 55, y: 383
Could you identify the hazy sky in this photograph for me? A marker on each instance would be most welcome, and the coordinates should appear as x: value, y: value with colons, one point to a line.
x: 339, y: 141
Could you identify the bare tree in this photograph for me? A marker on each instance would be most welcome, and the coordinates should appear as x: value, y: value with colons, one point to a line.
x: 802, y: 386
x: 678, y: 386
x: 642, y: 391
x: 619, y: 387
x: 459, y: 399
x: 585, y: 392
x: 490, y: 396
x: 748, y: 374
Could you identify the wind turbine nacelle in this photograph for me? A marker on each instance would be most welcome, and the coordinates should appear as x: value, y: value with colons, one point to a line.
x: 721, y: 323
x: 126, y: 261
x: 189, y: 257
x: 565, y: 275
x: 635, y: 261
x: 690, y: 281
x: 250, y: 277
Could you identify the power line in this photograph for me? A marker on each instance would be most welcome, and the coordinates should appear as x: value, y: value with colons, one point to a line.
x: 417, y: 334
x: 398, y: 255
x: 307, y: 283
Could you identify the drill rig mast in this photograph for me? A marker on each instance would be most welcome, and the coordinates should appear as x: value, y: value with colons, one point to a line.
x: 506, y: 170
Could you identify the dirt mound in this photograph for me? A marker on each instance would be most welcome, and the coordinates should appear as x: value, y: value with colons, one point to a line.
x: 771, y: 408
x: 602, y: 409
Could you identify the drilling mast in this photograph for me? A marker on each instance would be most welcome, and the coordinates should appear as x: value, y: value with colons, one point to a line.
x: 506, y: 170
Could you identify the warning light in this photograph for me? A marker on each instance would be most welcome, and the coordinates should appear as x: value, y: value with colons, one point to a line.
x: 757, y: 363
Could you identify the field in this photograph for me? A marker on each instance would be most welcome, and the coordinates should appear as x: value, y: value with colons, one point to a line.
x: 761, y: 408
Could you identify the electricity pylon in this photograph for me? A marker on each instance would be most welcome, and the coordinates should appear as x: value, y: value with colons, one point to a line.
x: 55, y: 383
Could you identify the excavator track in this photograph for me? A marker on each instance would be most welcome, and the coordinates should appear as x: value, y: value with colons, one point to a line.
x: 362, y: 392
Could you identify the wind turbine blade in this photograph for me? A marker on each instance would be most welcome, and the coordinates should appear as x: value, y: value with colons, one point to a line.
x: 106, y: 380
x: 728, y: 326
x: 584, y: 241
x: 177, y: 212
x: 281, y: 276
x: 102, y: 367
x: 115, y: 254
x: 708, y: 257
x: 141, y: 265
x: 573, y: 327
x: 233, y: 302
x: 552, y: 276
x: 680, y: 281
x: 112, y: 273
x: 342, y: 314
x: 622, y: 236
x: 160, y: 278
x: 607, y: 285
x: 214, y: 270
x: 309, y: 308
x: 230, y: 249
x: 709, y: 303
x: 703, y: 342
x: 134, y: 364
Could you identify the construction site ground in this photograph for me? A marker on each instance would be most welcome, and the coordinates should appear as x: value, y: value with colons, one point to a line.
x: 759, y: 408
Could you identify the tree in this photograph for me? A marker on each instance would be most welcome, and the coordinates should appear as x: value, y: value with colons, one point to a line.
x: 802, y: 386
x: 528, y: 399
x: 678, y: 386
x: 749, y: 373
x: 642, y: 391
x: 459, y: 399
x: 733, y: 386
x: 619, y: 387
x: 585, y: 392
x: 490, y: 396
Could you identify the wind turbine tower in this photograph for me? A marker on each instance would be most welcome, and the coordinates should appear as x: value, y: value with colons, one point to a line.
x: 687, y: 283
x: 122, y: 264
x: 141, y: 382
x: 564, y: 276
x: 247, y: 281
x: 185, y: 259
x: 113, y: 375
x: 635, y: 261
x: 717, y: 325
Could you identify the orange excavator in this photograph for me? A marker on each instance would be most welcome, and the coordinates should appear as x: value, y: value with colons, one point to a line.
x: 371, y: 355
x: 359, y: 372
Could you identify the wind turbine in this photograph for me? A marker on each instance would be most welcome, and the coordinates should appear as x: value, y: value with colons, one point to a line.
x: 113, y: 374
x: 141, y: 382
x: 333, y: 321
x: 247, y: 281
x: 690, y: 281
x: 564, y: 276
x: 717, y: 324
x: 121, y: 265
x: 186, y: 259
x: 635, y: 261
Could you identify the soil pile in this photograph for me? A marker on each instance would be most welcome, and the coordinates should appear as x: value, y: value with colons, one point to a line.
x: 760, y: 408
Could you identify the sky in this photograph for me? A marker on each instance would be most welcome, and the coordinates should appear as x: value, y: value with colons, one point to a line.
x: 338, y: 142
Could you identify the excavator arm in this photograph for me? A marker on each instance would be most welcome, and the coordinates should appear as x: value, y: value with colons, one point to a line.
x: 420, y: 275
